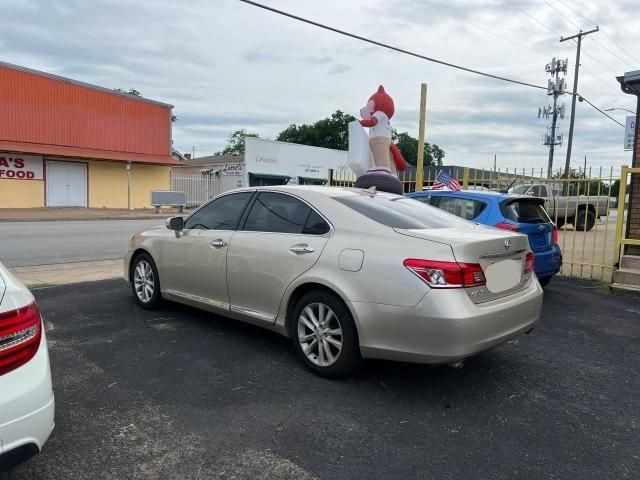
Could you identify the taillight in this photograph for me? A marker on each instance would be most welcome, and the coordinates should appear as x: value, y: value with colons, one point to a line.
x: 528, y: 263
x: 507, y: 226
x: 20, y: 334
x: 446, y: 274
x: 554, y: 235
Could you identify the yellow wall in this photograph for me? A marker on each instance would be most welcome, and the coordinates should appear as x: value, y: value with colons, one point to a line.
x: 108, y: 184
x: 21, y: 193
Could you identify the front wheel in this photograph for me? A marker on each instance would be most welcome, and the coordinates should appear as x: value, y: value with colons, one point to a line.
x: 145, y: 281
x: 324, y: 335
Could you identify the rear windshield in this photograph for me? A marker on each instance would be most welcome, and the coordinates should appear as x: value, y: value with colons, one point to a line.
x: 400, y: 212
x: 524, y: 211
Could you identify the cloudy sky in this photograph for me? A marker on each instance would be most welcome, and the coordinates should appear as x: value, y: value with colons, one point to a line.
x: 226, y: 65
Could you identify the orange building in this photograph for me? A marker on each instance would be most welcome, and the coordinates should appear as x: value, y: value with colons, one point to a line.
x: 69, y: 143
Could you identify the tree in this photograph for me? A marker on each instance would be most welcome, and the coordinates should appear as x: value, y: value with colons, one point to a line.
x: 235, y: 142
x: 331, y: 132
x: 408, y: 145
x: 136, y: 93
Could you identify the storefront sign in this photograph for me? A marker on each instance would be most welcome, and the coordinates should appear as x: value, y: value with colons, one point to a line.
x: 232, y: 169
x: 14, y: 166
x: 267, y: 157
x: 629, y: 132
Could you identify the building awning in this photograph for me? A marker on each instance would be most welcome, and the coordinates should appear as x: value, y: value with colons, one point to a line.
x: 86, y: 153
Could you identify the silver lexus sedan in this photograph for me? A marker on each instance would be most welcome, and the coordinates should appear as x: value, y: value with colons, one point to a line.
x: 345, y: 273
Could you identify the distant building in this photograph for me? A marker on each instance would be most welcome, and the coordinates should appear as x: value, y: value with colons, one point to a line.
x: 69, y: 143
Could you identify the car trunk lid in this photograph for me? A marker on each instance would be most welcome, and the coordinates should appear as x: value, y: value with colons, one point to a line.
x: 501, y: 255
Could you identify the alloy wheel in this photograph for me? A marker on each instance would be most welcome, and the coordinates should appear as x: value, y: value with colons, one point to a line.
x: 144, y: 281
x: 320, y: 334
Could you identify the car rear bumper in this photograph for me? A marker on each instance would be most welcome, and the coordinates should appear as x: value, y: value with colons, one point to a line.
x: 548, y: 263
x: 445, y: 326
x: 27, y: 408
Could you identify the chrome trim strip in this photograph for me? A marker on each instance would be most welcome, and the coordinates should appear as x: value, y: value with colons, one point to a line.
x: 253, y: 313
x: 199, y: 299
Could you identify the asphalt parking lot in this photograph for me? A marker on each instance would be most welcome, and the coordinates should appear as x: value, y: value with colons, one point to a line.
x: 179, y: 393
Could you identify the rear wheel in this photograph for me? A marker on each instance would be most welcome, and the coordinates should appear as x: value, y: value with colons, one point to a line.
x: 145, y: 281
x: 544, y: 281
x: 324, y: 335
x: 585, y: 220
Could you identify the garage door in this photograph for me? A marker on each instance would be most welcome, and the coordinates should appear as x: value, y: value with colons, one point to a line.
x: 66, y: 184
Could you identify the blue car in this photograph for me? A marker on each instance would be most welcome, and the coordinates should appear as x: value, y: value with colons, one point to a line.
x: 517, y: 213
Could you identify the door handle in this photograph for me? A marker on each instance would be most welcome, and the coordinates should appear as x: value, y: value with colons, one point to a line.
x: 302, y: 248
x: 219, y: 243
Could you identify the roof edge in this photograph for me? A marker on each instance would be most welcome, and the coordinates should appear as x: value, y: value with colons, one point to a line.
x: 91, y: 86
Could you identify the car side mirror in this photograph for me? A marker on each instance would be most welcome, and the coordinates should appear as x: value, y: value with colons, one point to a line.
x: 175, y: 223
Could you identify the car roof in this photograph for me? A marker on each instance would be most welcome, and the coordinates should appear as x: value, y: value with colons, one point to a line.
x: 316, y: 189
x: 474, y: 193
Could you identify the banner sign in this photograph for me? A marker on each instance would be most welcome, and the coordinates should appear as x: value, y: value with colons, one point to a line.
x: 629, y: 132
x: 14, y: 166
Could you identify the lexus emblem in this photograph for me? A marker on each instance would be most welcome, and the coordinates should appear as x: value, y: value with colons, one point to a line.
x: 507, y: 244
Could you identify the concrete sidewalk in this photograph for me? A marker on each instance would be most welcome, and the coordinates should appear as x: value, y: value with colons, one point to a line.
x: 65, y: 273
x: 79, y: 213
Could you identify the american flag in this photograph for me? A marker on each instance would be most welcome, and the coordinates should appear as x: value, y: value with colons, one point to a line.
x: 445, y: 180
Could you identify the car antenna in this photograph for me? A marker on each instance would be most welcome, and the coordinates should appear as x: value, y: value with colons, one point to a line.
x: 372, y: 190
x: 506, y: 190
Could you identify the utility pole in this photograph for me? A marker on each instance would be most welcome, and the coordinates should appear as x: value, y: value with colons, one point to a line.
x: 421, y: 128
x: 579, y: 36
x: 495, y: 162
x: 556, y: 87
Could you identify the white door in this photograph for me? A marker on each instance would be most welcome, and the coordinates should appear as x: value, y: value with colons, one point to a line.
x: 66, y: 184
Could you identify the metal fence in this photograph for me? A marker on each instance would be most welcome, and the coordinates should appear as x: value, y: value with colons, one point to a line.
x: 201, y: 187
x: 583, y: 208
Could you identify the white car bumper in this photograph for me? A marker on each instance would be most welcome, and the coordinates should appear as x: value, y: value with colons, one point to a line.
x: 26, y: 405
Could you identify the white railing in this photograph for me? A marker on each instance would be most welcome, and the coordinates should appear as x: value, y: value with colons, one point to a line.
x: 201, y: 188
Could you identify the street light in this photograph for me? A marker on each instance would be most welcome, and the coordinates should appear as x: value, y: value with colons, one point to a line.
x: 616, y: 108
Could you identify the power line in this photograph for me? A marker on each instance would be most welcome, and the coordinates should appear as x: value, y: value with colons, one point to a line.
x: 601, y: 111
x: 390, y: 47
x: 406, y: 52
x: 578, y: 26
x: 486, y: 30
x: 604, y: 32
x: 533, y: 18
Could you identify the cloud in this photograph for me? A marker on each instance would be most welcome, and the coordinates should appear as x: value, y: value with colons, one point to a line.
x: 226, y: 65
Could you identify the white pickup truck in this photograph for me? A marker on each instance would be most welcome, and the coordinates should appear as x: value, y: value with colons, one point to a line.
x: 581, y: 211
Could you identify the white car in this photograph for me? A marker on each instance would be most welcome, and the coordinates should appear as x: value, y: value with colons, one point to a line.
x: 26, y: 394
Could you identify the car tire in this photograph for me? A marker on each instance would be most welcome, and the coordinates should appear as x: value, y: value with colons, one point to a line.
x: 544, y: 281
x: 145, y: 281
x: 320, y: 321
x: 585, y: 222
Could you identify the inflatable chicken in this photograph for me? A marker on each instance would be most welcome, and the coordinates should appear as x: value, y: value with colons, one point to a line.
x: 375, y: 159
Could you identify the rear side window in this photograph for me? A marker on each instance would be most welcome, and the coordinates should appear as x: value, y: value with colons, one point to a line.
x: 400, y: 212
x: 462, y: 207
x: 221, y: 214
x: 275, y: 212
x: 524, y: 211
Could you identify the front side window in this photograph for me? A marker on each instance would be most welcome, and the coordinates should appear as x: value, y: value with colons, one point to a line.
x: 462, y: 207
x: 221, y: 214
x: 276, y: 212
